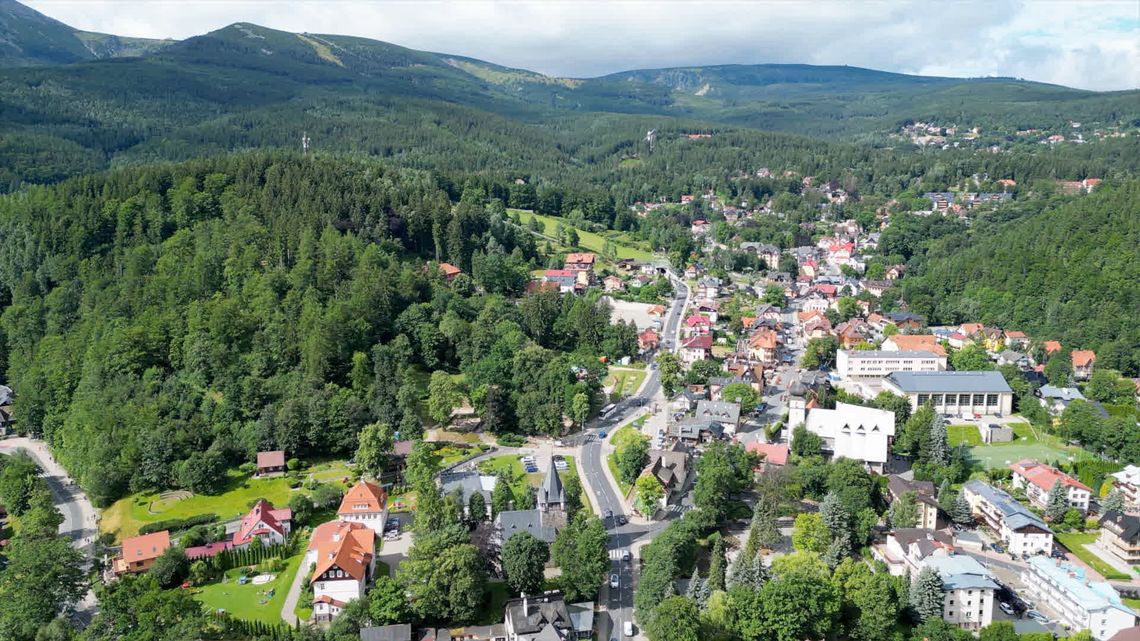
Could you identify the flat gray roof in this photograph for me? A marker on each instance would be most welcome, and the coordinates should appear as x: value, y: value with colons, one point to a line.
x: 938, y: 382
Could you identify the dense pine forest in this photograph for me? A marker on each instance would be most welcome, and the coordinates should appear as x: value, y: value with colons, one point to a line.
x: 164, y: 323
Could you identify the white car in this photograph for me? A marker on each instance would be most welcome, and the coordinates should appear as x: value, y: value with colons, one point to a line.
x: 1005, y: 607
x: 614, y: 581
x: 627, y: 628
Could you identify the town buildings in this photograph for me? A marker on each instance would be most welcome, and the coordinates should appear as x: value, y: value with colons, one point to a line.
x: 1038, y: 479
x: 270, y: 462
x: 875, y: 364
x: 1022, y: 531
x: 547, y: 617
x: 954, y: 393
x: 264, y: 524
x: 1081, y: 604
x: 140, y: 552
x: 968, y: 590
x: 1127, y: 482
x: 925, y: 499
x: 913, y: 343
x: 1120, y: 535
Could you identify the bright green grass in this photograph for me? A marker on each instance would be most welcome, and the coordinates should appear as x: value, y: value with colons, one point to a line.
x: 1132, y: 603
x: 1001, y: 455
x: 250, y: 602
x: 1075, y: 542
x: 511, y: 465
x: 620, y: 439
x: 586, y: 239
x: 967, y: 434
x: 625, y: 381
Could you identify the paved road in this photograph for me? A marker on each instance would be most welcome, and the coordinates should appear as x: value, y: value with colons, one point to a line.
x: 623, y: 538
x: 80, y: 523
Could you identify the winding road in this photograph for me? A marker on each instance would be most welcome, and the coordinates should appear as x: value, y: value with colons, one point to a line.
x: 80, y: 520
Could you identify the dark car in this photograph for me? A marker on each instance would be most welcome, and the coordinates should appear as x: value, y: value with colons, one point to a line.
x: 621, y: 519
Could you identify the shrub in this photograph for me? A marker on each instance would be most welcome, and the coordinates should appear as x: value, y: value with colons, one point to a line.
x: 178, y: 524
x: 247, y: 468
x: 293, y: 464
x: 511, y: 440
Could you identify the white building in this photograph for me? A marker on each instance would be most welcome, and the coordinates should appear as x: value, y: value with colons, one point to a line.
x: 1127, y: 482
x: 1038, y: 479
x: 1022, y: 531
x: 365, y: 503
x: 954, y: 393
x: 857, y: 364
x: 968, y: 590
x: 848, y: 431
x: 344, y: 556
x: 1081, y: 604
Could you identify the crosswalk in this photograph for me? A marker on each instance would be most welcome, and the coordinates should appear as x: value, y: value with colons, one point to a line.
x: 617, y: 554
x: 679, y: 509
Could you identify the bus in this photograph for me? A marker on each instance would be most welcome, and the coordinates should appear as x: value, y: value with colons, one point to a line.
x: 607, y: 411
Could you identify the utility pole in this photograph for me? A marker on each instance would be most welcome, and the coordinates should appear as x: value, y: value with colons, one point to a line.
x: 305, y: 140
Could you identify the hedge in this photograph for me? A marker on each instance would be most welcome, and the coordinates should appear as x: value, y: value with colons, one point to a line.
x: 178, y: 524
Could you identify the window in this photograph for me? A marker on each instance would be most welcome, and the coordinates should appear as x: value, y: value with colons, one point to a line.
x: 923, y: 398
x: 951, y: 399
x: 936, y: 399
x: 978, y: 398
x: 991, y: 400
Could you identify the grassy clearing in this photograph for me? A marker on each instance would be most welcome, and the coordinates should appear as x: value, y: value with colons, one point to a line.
x: 1075, y: 542
x: 1028, y: 443
x: 1132, y: 603
x: 250, y: 602
x: 586, y: 239
x: 620, y: 439
x: 511, y: 465
x: 624, y: 381
x: 967, y: 434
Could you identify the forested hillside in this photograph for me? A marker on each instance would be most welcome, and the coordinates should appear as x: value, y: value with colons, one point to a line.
x: 27, y: 37
x: 1068, y: 273
x: 164, y: 323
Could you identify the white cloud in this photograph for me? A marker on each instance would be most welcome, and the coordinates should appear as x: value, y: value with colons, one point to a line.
x: 1092, y: 45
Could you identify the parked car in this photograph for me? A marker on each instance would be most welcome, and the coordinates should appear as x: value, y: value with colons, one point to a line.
x: 614, y: 581
x: 1037, y: 616
x: 996, y: 547
x: 627, y: 628
x: 621, y: 519
x: 602, y: 434
x: 1005, y: 607
x: 626, y: 556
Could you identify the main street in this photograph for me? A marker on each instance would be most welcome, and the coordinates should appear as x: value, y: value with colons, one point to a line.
x: 624, y: 538
x: 79, y: 517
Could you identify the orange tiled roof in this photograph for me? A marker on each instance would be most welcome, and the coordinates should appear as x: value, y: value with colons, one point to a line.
x: 918, y: 343
x: 145, y: 547
x: 363, y: 497
x: 1045, y: 476
x: 348, y: 546
x: 1083, y: 357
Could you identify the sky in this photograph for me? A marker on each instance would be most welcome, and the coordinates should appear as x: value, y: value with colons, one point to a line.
x: 1089, y: 44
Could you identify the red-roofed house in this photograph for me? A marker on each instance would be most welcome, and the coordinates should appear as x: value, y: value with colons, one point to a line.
x: 613, y: 283
x: 827, y: 290
x: 772, y: 455
x: 265, y: 524
x: 1038, y: 479
x: 697, y: 325
x: 1051, y: 347
x: 969, y: 329
x: 208, y: 550
x: 1083, y: 362
x: 365, y: 503
x: 763, y: 346
x: 696, y: 348
x: 344, y: 556
x: 580, y: 262
x: 449, y: 271
x: 270, y: 462
x: 140, y: 552
x: 648, y: 340
x: 656, y: 310
x: 1015, y: 339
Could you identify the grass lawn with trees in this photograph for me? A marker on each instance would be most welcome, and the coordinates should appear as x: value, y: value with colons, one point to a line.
x: 586, y: 239
x: 960, y: 434
x: 511, y: 464
x: 250, y: 602
x: 620, y: 438
x: 1075, y: 542
x: 624, y: 381
x: 127, y: 515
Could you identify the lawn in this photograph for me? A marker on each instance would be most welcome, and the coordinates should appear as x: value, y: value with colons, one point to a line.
x: 620, y: 439
x: 967, y: 434
x: 127, y: 515
x: 1027, y: 444
x: 250, y: 602
x: 1132, y: 603
x: 624, y: 381
x: 1075, y: 543
x: 586, y: 239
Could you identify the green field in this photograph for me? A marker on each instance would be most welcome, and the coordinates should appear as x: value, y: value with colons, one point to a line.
x: 1027, y: 444
x: 250, y: 602
x: 625, y: 381
x: 960, y: 434
x: 127, y: 515
x: 586, y: 239
x: 620, y: 438
x: 1075, y: 542
x: 511, y: 464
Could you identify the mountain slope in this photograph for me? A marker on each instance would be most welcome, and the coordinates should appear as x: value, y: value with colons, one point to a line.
x: 1068, y: 272
x: 28, y: 37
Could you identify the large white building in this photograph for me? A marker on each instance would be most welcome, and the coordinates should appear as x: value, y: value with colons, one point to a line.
x: 1081, y: 604
x: 848, y: 431
x: 853, y: 364
x: 968, y: 590
x: 343, y: 557
x: 954, y: 393
x: 1038, y: 479
x: 1127, y: 482
x: 1022, y: 531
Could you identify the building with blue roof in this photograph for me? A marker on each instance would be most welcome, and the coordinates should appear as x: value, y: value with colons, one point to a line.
x: 1081, y: 603
x: 968, y: 589
x: 1021, y: 530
